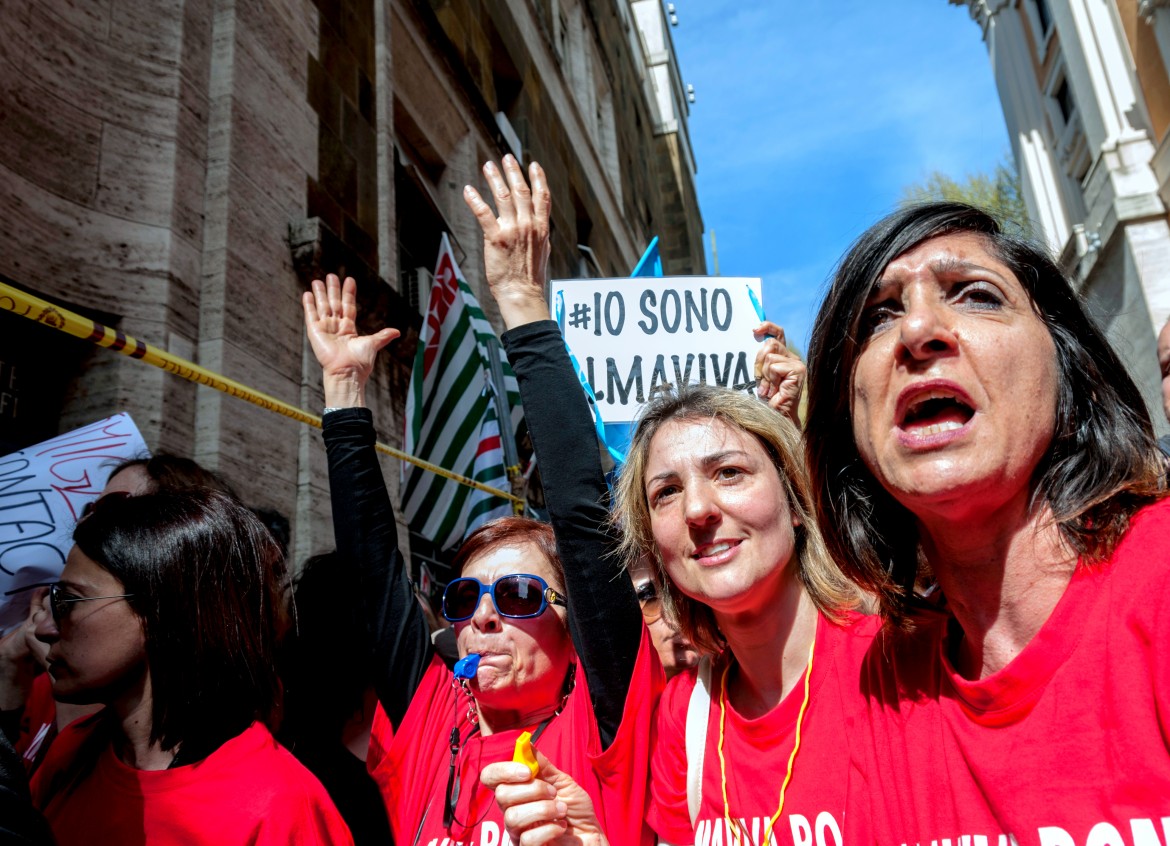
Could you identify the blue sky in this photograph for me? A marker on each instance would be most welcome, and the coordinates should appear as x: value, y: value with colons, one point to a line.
x: 810, y: 118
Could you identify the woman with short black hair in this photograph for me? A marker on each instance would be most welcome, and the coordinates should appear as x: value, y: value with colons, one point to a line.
x: 167, y: 613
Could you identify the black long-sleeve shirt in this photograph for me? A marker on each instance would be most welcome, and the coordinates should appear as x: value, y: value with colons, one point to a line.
x: 604, y: 619
x: 20, y: 824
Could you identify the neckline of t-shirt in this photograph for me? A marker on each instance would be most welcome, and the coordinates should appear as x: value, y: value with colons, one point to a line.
x: 229, y: 755
x: 1010, y: 692
x: 503, y: 738
x: 782, y: 718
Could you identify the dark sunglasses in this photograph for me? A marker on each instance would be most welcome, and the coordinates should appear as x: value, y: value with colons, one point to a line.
x: 93, y: 504
x: 60, y: 600
x: 646, y: 592
x: 517, y: 596
x: 650, y: 601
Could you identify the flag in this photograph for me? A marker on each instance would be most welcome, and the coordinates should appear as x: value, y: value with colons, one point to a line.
x: 619, y: 435
x: 451, y: 414
x: 650, y: 264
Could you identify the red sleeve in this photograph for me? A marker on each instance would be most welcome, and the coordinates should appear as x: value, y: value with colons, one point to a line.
x: 307, y: 819
x: 59, y: 757
x: 38, y: 723
x: 407, y: 763
x: 668, y: 813
x: 1143, y: 555
x: 381, y: 736
x: 623, y: 769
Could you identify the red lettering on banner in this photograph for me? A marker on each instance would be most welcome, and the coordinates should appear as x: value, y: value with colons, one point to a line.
x: 100, y: 440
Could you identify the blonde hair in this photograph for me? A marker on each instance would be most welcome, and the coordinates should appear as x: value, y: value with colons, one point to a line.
x: 829, y: 590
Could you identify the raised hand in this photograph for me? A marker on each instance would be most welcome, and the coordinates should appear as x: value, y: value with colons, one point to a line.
x: 550, y: 808
x: 779, y: 372
x: 346, y: 358
x: 515, y: 243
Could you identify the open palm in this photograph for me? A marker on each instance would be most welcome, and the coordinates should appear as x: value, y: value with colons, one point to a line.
x: 331, y: 323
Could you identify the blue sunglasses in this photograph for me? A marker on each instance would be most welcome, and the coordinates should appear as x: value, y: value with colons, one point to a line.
x: 518, y: 595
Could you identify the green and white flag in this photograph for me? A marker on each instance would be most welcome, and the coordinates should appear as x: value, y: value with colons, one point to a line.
x: 451, y: 416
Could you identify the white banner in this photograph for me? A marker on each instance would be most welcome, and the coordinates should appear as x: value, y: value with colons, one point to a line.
x: 43, y: 490
x: 635, y: 337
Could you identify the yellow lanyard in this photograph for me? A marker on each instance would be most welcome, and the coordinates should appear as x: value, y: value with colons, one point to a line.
x: 732, y: 825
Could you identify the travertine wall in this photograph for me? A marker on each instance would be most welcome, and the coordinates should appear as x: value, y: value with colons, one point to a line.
x: 102, y: 165
x: 183, y: 169
x: 152, y: 158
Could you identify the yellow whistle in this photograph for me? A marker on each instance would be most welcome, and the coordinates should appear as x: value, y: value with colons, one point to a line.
x: 525, y: 754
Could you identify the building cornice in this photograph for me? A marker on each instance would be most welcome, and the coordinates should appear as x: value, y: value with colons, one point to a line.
x: 1147, y: 8
x: 982, y: 11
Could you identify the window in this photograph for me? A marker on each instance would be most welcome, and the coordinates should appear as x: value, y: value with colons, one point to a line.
x: 1042, y: 28
x: 562, y: 36
x: 420, y: 229
x: 1068, y: 138
x: 1064, y: 101
x: 39, y: 380
x: 605, y: 126
x: 1044, y: 16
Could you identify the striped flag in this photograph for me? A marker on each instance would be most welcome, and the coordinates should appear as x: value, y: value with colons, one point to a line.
x: 451, y: 416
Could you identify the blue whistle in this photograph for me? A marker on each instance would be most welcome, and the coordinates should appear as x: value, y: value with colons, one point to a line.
x: 466, y: 666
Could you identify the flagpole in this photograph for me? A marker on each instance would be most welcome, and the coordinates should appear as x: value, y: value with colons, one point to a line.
x: 504, y: 413
x: 63, y: 320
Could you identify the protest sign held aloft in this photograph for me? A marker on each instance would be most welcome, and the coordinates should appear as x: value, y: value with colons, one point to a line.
x: 43, y: 490
x: 635, y: 337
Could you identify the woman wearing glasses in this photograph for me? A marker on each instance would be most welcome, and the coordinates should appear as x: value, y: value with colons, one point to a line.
x: 27, y: 699
x: 166, y: 613
x: 546, y: 648
x: 674, y: 650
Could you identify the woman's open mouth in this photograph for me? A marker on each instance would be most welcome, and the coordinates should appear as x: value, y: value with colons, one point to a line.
x: 929, y: 411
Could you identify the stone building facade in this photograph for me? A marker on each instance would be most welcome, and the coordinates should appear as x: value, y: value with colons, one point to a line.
x: 181, y: 170
x: 1085, y: 93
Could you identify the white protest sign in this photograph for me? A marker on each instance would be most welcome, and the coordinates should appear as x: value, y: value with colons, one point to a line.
x: 634, y: 337
x: 43, y: 490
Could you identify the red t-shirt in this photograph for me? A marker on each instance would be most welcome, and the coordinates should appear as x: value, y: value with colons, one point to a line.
x: 38, y: 724
x: 249, y: 791
x: 1069, y: 745
x: 757, y: 751
x: 411, y: 764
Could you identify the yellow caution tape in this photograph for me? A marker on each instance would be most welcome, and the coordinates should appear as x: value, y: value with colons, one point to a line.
x: 47, y: 314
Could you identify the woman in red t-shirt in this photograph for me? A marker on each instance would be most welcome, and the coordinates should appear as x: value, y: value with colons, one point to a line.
x: 715, y: 493
x: 27, y: 693
x: 167, y: 614
x: 714, y: 488
x: 969, y: 426
x: 534, y: 615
